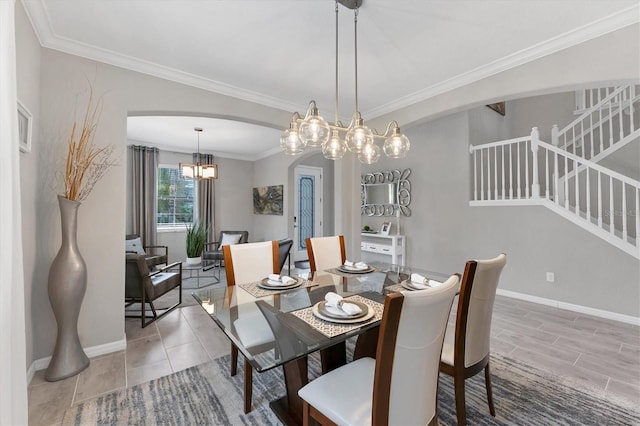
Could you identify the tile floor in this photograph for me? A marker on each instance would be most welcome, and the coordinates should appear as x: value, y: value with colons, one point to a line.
x: 588, y: 351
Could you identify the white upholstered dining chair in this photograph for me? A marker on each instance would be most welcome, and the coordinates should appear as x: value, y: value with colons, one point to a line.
x: 245, y: 263
x: 399, y: 387
x: 466, y: 349
x: 325, y: 252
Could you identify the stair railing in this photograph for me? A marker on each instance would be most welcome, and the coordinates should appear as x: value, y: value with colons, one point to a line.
x: 610, y: 121
x: 527, y: 170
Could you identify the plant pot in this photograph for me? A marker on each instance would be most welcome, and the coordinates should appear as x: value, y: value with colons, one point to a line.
x: 194, y: 260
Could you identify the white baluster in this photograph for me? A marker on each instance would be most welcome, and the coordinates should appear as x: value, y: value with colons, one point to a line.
x: 599, y: 199
x: 489, y: 173
x: 600, y: 129
x: 637, y: 212
x: 582, y: 140
x: 588, y: 194
x: 518, y: 164
x: 535, y: 185
x: 610, y: 119
x: 546, y: 174
x: 620, y: 122
x: 482, y: 174
x: 556, y: 178
x: 554, y: 135
x: 510, y: 172
x: 577, y: 186
x: 504, y: 193
x: 611, y: 212
x: 495, y: 172
x: 632, y: 95
x: 625, y: 234
x: 591, y: 133
x: 566, y: 182
x: 526, y: 170
x: 475, y: 174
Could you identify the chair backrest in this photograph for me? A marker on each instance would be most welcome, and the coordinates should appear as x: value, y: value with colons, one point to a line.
x: 245, y: 263
x: 325, y: 252
x: 408, y: 354
x: 284, y: 248
x: 475, y: 308
x: 136, y: 271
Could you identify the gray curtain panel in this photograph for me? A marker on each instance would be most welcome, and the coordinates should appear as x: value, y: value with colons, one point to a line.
x: 205, y: 196
x: 144, y: 166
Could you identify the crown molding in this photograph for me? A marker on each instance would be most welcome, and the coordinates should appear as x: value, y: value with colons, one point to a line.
x: 601, y: 27
x: 37, y: 13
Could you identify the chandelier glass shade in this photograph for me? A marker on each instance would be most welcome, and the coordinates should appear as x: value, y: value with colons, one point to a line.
x: 335, y: 139
x: 199, y: 170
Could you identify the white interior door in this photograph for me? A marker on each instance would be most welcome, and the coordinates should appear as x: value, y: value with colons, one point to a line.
x: 307, y: 220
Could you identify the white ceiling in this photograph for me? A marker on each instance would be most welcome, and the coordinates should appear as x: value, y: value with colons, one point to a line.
x: 281, y: 53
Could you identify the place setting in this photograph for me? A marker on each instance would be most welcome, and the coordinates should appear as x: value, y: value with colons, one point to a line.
x: 415, y: 282
x: 336, y: 315
x: 275, y: 283
x: 349, y: 267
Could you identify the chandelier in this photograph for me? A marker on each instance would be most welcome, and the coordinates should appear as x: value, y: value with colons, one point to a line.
x: 199, y: 170
x: 335, y: 139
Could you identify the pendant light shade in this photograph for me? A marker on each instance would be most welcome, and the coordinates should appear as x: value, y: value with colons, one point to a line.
x: 334, y: 148
x: 199, y: 170
x: 290, y: 142
x: 314, y: 130
x: 397, y: 145
x: 370, y: 153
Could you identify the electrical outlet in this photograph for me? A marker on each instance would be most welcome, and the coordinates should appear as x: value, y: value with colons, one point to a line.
x: 551, y: 277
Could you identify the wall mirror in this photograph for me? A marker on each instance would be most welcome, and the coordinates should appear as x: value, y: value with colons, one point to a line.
x: 385, y: 193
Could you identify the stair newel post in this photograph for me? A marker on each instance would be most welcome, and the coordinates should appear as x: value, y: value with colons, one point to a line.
x: 535, y: 144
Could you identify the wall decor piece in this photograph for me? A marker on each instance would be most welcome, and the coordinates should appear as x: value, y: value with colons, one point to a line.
x: 25, y: 123
x: 268, y: 200
x: 499, y: 107
x: 385, y: 193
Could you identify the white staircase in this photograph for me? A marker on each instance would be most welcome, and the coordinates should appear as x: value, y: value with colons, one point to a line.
x: 564, y: 175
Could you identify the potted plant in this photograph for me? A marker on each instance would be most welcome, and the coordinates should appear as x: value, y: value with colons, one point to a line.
x: 196, y: 239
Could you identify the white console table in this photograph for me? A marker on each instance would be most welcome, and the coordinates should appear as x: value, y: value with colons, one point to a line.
x: 389, y: 245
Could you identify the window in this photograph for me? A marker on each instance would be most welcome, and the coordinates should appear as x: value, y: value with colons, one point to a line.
x: 175, y: 198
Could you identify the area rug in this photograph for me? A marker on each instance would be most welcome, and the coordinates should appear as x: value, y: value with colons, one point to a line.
x: 206, y: 394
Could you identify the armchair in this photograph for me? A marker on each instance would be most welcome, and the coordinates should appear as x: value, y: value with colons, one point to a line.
x: 212, y: 253
x: 144, y: 286
x: 154, y: 255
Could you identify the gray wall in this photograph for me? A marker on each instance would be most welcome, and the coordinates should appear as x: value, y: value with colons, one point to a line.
x: 444, y: 231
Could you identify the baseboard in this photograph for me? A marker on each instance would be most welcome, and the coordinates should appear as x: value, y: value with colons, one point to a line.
x: 93, y: 351
x: 571, y: 307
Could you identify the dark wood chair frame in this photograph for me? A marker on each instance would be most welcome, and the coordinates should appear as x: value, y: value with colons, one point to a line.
x: 312, y: 259
x: 458, y: 370
x: 248, y: 369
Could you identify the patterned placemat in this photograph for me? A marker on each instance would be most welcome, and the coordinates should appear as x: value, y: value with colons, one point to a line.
x: 331, y: 329
x: 256, y: 291
x: 337, y: 271
x: 396, y: 288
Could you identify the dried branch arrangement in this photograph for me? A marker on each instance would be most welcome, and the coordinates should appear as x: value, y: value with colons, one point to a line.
x: 86, y: 163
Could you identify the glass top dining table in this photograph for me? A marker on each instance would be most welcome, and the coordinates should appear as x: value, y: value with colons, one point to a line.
x: 282, y: 327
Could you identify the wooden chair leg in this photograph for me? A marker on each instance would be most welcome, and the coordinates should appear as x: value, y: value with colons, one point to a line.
x: 487, y: 383
x: 234, y: 359
x: 305, y: 413
x: 458, y: 384
x: 248, y: 386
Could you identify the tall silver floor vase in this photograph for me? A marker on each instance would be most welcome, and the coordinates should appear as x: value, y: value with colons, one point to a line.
x: 67, y: 285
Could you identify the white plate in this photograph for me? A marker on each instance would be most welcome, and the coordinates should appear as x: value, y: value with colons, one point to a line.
x: 265, y: 284
x: 318, y: 314
x: 352, y: 270
x: 409, y: 285
x: 332, y: 311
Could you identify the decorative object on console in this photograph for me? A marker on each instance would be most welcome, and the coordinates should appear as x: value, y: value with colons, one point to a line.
x: 385, y: 193
x: 199, y: 170
x: 268, y: 200
x: 385, y: 228
x: 196, y: 239
x: 313, y: 131
x: 86, y: 164
x: 25, y: 120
